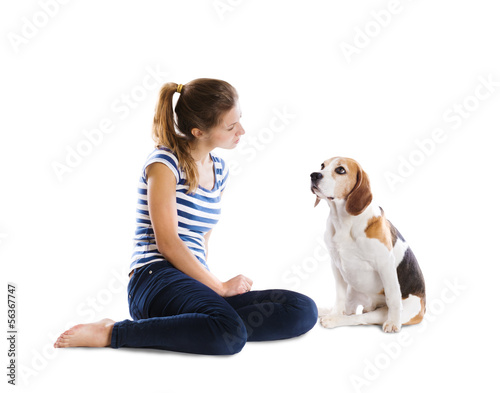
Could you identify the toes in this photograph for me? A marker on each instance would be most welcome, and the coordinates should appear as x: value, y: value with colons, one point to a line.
x: 64, y: 339
x: 56, y: 344
x: 64, y: 342
x: 391, y: 327
x: 328, y: 321
x: 68, y: 333
x: 61, y: 343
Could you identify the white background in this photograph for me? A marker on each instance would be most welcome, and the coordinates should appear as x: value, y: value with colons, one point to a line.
x: 66, y: 241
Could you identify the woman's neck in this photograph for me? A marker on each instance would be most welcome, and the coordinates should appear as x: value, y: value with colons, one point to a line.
x: 200, y: 154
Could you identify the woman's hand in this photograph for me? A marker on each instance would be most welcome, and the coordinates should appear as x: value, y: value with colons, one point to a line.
x: 236, y: 286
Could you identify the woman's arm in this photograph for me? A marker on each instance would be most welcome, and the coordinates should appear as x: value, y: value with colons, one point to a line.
x: 163, y: 213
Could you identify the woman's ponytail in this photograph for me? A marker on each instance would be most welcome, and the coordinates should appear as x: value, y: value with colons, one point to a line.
x: 165, y: 134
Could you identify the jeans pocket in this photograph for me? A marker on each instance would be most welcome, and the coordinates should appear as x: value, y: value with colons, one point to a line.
x: 139, y: 288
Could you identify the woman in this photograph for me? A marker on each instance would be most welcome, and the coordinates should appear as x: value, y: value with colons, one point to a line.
x: 176, y: 302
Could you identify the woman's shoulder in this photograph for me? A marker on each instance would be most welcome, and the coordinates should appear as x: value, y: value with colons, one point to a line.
x: 167, y: 157
x: 163, y: 152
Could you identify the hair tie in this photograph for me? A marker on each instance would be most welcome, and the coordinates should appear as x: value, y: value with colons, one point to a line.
x: 179, y: 88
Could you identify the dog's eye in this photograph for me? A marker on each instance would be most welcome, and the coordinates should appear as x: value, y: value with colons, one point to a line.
x: 340, y: 170
x: 322, y: 166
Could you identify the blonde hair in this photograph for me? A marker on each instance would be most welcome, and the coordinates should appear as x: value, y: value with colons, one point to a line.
x: 201, y: 104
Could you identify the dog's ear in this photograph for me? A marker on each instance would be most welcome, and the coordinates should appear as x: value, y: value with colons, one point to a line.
x: 317, y: 201
x: 360, y: 196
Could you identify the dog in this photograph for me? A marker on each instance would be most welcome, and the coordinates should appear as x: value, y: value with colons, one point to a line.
x: 372, y: 263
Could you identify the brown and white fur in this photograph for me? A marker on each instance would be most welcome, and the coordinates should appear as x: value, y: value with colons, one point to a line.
x: 372, y: 263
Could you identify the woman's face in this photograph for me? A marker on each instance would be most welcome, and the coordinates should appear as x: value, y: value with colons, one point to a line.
x: 228, y: 133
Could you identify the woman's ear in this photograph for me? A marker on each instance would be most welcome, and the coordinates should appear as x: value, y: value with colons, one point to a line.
x: 360, y: 196
x: 197, y: 133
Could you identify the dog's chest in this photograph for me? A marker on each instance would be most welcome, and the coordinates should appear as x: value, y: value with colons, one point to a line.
x: 354, y: 264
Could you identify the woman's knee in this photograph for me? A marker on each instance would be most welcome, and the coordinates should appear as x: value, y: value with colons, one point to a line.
x: 232, y: 336
x: 310, y: 311
x: 305, y: 311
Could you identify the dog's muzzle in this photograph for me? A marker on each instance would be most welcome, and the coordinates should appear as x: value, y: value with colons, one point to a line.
x: 315, y: 178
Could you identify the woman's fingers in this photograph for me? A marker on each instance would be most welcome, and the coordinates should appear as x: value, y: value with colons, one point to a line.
x: 247, y: 283
x: 241, y: 284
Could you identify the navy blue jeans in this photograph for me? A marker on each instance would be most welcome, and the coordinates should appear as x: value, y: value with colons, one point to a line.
x: 175, y: 312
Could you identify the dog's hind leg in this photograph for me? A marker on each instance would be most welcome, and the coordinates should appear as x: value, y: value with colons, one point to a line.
x: 413, y: 310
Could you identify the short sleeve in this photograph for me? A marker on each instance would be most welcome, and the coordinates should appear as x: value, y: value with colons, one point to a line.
x: 166, y: 157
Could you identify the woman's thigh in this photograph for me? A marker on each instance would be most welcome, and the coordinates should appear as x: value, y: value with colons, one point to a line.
x: 163, y: 290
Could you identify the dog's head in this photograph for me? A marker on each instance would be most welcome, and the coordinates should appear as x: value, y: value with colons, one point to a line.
x: 342, y: 178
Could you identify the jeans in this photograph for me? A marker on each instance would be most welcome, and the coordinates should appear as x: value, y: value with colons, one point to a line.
x: 175, y: 312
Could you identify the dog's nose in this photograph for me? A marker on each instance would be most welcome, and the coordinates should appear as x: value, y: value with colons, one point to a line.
x: 315, y: 176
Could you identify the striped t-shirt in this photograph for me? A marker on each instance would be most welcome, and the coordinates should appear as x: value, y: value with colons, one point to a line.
x: 196, y: 213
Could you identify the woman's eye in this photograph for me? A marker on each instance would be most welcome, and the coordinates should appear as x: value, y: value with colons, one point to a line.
x: 340, y: 170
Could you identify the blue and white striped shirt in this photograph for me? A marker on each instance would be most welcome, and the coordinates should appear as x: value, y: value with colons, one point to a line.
x: 196, y: 214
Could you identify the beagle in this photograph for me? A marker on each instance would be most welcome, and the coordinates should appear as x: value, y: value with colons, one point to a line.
x: 372, y: 264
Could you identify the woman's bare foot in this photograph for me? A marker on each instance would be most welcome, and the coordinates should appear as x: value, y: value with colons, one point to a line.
x: 97, y: 334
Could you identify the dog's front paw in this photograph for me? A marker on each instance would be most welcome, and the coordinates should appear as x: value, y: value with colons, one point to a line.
x: 391, y: 327
x: 331, y: 320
